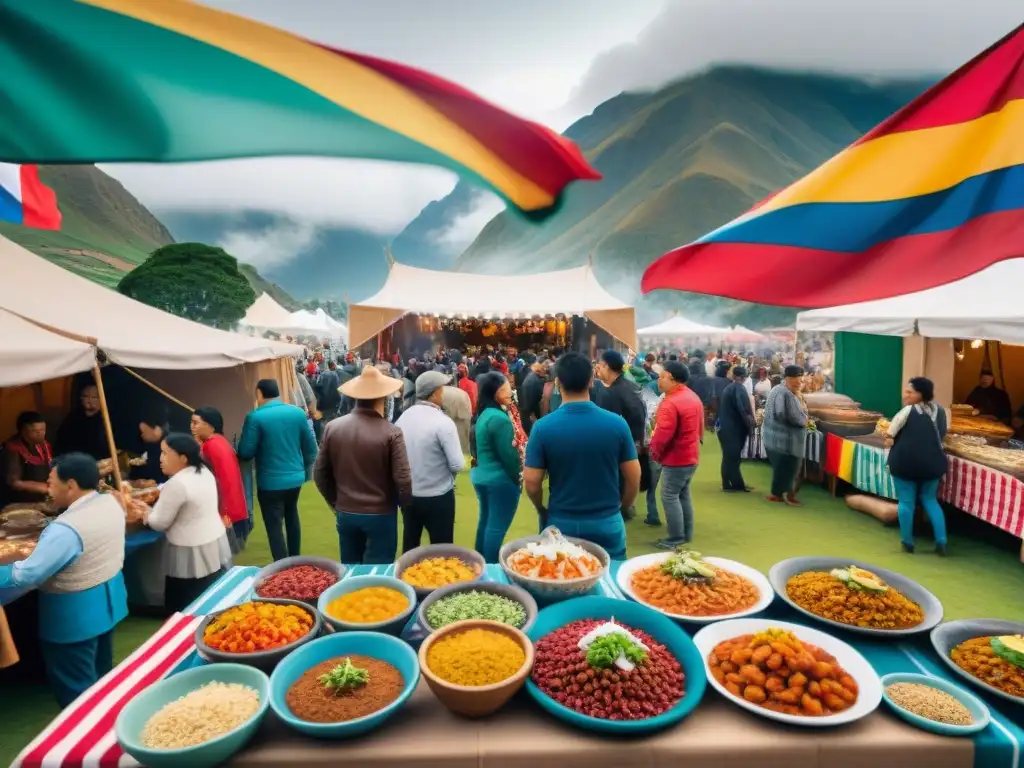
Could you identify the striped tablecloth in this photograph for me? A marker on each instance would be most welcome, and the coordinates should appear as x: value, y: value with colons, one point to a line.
x: 82, y: 735
x: 985, y: 493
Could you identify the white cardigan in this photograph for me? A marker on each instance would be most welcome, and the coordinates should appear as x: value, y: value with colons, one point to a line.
x: 187, y: 509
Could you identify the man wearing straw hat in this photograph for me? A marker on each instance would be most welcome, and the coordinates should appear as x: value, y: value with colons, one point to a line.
x: 362, y: 471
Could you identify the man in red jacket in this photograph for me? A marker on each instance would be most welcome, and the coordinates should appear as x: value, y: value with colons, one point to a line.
x: 675, y: 444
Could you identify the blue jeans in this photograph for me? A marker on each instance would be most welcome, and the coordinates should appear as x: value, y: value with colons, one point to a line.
x: 608, y: 532
x: 370, y: 539
x: 908, y: 493
x: 498, y: 505
x: 652, y: 492
x: 675, y: 497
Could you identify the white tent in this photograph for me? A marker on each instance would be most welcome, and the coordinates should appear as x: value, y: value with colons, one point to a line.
x: 129, y: 332
x: 680, y: 326
x: 985, y: 305
x: 318, y: 323
x: 465, y: 295
x: 29, y: 353
x: 739, y: 333
x: 265, y: 313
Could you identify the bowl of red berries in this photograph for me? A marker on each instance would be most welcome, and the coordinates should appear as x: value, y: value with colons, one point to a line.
x: 614, y: 666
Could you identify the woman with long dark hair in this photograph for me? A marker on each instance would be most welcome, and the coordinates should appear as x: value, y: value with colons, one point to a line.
x: 497, y: 444
x: 208, y: 429
x: 188, y: 514
x: 917, y: 461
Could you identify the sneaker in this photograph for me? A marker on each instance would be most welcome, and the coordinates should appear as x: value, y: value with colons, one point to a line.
x: 908, y: 548
x: 940, y: 550
x: 655, y: 523
x: 670, y: 543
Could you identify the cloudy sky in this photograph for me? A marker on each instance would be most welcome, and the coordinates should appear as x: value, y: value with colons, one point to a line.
x: 554, y: 61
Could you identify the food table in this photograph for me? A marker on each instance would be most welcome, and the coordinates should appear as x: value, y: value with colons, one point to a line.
x: 983, y: 492
x: 427, y: 735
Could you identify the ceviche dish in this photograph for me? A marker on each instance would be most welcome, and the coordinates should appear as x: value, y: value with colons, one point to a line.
x: 554, y: 558
x: 775, y: 670
x: 854, y: 596
x: 686, y: 585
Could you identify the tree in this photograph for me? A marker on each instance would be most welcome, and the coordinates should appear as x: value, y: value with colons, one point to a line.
x: 192, y: 280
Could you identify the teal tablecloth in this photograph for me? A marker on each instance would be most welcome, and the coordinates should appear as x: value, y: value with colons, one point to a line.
x: 998, y: 746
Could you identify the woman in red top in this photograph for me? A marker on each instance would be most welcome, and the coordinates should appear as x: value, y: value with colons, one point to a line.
x: 466, y: 384
x: 207, y: 428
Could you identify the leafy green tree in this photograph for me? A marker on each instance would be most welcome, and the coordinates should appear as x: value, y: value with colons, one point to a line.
x: 192, y: 280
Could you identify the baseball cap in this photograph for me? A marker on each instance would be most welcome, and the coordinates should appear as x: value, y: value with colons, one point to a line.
x: 428, y: 382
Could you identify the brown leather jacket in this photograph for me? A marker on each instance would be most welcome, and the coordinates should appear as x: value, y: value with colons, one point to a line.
x: 362, y: 465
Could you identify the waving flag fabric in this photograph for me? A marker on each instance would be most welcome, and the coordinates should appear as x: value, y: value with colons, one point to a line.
x: 169, y: 80
x: 25, y: 200
x: 933, y: 194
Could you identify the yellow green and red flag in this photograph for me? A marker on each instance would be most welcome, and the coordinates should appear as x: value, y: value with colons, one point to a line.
x: 88, y: 81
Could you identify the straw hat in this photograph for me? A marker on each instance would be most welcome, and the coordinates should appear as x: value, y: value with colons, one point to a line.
x: 371, y: 384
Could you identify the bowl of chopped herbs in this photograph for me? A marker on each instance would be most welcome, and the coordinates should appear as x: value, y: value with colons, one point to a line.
x: 504, y: 603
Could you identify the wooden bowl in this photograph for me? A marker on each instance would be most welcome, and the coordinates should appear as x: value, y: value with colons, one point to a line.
x: 476, y: 700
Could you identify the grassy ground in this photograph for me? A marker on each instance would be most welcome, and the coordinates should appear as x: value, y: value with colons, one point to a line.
x: 981, y: 577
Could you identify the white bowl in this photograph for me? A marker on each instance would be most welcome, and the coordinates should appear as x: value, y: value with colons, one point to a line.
x: 758, y: 579
x: 870, y: 687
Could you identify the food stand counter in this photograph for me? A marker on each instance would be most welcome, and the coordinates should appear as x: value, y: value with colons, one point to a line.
x: 427, y: 735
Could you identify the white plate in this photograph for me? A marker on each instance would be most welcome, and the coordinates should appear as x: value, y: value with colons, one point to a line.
x: 758, y: 579
x: 870, y: 687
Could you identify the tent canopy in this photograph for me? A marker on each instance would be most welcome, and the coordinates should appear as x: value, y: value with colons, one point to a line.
x: 680, y: 326
x: 29, y: 353
x: 129, y: 332
x: 265, y: 313
x: 464, y: 295
x: 985, y: 305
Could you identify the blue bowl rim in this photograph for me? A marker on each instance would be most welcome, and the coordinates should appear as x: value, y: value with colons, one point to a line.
x: 959, y: 692
x: 691, y: 697
x: 257, y: 656
x: 297, y: 723
x: 406, y: 589
x: 271, y: 569
x: 440, y: 593
x: 205, y: 670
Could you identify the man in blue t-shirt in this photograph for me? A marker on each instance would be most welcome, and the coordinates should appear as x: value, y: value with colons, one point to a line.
x: 583, y: 450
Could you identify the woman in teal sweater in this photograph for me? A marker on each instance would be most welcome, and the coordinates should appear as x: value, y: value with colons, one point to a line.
x: 497, y: 443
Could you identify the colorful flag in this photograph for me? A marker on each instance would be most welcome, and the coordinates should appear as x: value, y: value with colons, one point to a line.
x: 930, y: 196
x: 25, y: 200
x: 171, y: 80
x: 839, y: 455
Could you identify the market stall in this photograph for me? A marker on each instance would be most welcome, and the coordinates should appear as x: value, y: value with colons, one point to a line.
x: 459, y: 309
x: 680, y: 332
x: 944, y: 334
x: 427, y: 734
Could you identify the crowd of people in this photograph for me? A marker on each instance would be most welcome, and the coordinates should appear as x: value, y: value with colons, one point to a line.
x: 580, y: 437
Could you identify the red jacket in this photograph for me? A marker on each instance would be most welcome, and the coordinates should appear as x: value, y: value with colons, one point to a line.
x: 230, y: 494
x: 468, y: 386
x: 678, y: 429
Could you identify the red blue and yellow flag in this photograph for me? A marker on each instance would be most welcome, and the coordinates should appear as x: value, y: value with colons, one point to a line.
x: 169, y: 80
x: 930, y: 196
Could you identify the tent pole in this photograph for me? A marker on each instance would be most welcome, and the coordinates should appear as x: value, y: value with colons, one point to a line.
x: 98, y: 375
x: 157, y: 389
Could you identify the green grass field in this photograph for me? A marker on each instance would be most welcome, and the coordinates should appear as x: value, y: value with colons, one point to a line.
x: 979, y: 578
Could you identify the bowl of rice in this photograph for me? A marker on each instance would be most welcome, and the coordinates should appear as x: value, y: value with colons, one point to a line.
x: 199, y: 718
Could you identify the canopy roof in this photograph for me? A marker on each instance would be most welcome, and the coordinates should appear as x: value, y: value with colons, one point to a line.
x: 739, y: 334
x: 680, y: 326
x: 317, y: 323
x: 985, y: 305
x: 129, y: 332
x: 461, y: 294
x: 29, y: 353
x: 266, y: 313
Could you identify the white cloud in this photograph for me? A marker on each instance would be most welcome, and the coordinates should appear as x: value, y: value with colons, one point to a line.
x: 463, y: 230
x: 270, y: 247
x: 381, y: 197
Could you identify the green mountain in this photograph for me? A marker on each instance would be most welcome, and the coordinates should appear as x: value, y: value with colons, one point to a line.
x: 679, y: 162
x: 105, y: 231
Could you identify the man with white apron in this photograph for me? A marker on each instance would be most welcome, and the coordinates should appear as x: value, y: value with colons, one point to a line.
x: 77, y: 568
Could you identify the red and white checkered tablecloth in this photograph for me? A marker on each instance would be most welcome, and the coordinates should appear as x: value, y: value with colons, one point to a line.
x: 82, y: 736
x: 993, y: 496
